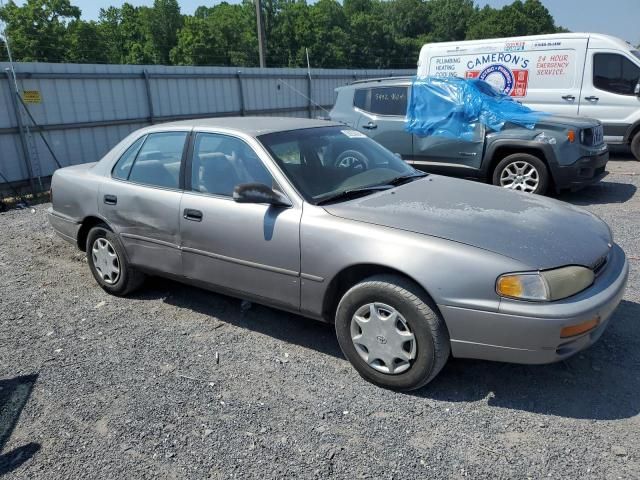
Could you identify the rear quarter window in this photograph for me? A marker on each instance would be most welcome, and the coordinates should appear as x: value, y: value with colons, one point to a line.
x: 389, y: 101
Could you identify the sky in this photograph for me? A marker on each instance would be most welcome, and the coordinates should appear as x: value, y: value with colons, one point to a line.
x: 620, y: 18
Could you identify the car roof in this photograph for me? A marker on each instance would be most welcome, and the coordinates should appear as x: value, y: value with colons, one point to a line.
x: 253, y: 126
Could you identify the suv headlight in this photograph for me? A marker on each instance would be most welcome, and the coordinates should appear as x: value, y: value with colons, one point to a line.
x: 545, y: 286
x: 544, y: 138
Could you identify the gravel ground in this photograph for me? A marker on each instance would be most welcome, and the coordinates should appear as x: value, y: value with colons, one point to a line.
x: 176, y: 382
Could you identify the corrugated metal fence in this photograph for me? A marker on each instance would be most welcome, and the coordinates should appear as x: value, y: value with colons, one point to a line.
x: 84, y: 110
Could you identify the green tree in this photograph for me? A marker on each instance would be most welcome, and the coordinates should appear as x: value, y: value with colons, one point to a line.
x: 85, y: 43
x: 163, y: 22
x: 449, y: 19
x: 329, y: 38
x: 37, y: 30
x: 125, y: 34
x: 516, y: 19
x: 220, y: 35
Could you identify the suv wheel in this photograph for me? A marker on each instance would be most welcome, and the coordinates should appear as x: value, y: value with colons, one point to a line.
x: 390, y: 331
x: 635, y: 146
x: 108, y: 262
x: 522, y: 171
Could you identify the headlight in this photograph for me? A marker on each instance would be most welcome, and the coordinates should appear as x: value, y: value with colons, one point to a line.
x: 544, y: 138
x: 545, y: 286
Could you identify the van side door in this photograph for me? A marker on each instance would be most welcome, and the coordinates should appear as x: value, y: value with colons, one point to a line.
x: 610, y: 78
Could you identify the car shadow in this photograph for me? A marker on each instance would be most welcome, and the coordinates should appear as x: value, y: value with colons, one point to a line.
x: 592, y: 385
x: 14, y: 394
x: 601, y: 193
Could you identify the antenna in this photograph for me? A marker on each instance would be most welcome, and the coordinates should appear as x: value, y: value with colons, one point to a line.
x: 304, y: 96
x: 8, y: 47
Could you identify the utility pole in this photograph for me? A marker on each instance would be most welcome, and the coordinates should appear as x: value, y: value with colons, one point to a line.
x: 262, y: 48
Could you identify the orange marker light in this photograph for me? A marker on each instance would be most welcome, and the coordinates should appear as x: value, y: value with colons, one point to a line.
x: 510, y: 286
x: 571, y: 136
x: 580, y: 328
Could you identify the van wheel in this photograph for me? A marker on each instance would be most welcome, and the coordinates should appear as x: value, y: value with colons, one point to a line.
x: 635, y: 146
x: 391, y: 332
x: 523, y: 172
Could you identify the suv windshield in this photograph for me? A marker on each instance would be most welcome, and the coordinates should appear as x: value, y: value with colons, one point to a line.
x: 328, y: 162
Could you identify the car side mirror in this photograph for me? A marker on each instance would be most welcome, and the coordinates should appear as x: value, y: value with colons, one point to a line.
x: 259, y: 193
x: 637, y: 89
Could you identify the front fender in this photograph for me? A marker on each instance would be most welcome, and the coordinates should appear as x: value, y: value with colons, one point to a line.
x: 452, y: 273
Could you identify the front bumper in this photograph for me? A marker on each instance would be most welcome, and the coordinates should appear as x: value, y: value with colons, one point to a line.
x: 585, y: 171
x: 528, y: 332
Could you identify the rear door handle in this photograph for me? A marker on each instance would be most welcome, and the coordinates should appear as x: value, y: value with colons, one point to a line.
x: 370, y: 126
x: 468, y: 154
x: 592, y: 98
x: 110, y: 199
x: 193, y: 215
x: 569, y: 98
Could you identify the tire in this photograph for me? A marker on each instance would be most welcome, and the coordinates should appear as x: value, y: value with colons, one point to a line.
x: 430, y: 346
x: 635, y: 146
x: 522, y: 162
x: 352, y: 159
x: 127, y: 279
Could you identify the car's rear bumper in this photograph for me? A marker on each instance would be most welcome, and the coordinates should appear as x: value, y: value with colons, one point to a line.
x: 67, y: 228
x: 585, y: 171
x: 525, y: 332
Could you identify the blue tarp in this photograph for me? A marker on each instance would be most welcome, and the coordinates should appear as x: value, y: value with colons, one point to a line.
x: 451, y: 107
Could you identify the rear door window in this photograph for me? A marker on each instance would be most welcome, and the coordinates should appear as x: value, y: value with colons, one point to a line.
x: 614, y: 73
x: 389, y: 101
x: 123, y: 167
x: 159, y: 159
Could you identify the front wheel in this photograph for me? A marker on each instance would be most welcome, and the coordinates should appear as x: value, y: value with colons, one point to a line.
x: 108, y: 262
x: 635, y: 146
x: 390, y: 331
x: 523, y: 172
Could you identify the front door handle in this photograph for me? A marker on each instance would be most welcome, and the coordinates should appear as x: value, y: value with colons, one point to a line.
x: 370, y: 126
x: 110, y: 199
x: 569, y: 98
x: 468, y: 154
x: 193, y: 215
x: 592, y: 98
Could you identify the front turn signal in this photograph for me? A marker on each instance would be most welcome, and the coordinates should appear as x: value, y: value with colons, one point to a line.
x: 580, y: 328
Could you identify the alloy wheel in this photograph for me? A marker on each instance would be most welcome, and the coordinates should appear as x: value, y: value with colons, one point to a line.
x: 520, y: 175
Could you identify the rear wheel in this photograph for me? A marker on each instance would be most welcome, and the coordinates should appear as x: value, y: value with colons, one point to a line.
x: 635, y: 146
x: 390, y: 331
x: 523, y: 172
x: 108, y: 262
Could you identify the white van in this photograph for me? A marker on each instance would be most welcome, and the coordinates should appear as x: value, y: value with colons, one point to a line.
x: 585, y: 74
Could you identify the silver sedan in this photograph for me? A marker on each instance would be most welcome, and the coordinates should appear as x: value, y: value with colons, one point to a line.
x: 317, y: 219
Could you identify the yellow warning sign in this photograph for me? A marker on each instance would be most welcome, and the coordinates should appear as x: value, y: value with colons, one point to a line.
x: 31, y: 96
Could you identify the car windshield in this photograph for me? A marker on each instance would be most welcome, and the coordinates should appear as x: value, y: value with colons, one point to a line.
x: 328, y: 162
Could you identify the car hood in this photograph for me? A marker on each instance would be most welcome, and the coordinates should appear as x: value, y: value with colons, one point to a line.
x: 566, y: 121
x: 537, y: 231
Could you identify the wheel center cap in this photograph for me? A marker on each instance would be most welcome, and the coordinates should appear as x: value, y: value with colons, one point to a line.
x: 381, y: 339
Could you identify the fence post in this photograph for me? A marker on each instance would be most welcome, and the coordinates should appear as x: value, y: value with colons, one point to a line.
x: 309, y: 92
x: 241, y: 90
x: 25, y: 150
x: 149, y: 97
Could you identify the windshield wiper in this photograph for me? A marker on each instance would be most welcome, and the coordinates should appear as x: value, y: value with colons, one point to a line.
x: 404, y: 178
x: 352, y: 193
